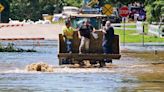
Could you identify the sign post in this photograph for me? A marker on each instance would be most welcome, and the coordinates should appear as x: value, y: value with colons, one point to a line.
x: 143, y: 35
x: 124, y: 31
x: 124, y: 12
x: 1, y: 9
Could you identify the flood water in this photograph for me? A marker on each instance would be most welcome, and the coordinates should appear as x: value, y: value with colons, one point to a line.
x: 136, y: 71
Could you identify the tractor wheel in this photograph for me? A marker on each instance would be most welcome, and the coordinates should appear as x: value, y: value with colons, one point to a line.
x: 102, y: 63
x: 81, y: 63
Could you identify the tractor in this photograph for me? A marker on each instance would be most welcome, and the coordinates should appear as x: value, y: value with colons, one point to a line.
x: 95, y: 54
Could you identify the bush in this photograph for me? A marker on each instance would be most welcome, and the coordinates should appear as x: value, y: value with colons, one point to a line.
x: 155, y: 11
x: 11, y: 48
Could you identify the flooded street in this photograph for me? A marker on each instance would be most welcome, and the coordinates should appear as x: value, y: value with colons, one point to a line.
x: 135, y: 72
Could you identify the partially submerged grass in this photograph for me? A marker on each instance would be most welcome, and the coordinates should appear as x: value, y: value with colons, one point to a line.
x: 10, y: 48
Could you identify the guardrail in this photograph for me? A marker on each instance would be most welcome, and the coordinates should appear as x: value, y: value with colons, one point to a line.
x: 10, y: 25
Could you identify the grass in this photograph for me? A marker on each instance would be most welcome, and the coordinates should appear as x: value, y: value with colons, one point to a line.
x: 134, y: 37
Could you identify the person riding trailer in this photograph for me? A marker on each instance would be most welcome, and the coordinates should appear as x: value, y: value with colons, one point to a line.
x: 108, y: 37
x: 68, y: 35
x: 85, y: 35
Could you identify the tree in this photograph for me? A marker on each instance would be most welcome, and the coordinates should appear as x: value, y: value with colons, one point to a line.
x: 154, y: 10
x: 48, y: 9
x: 31, y: 9
x: 76, y: 3
x: 123, y: 2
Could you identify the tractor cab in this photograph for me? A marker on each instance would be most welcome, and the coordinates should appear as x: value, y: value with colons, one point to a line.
x: 95, y: 54
x: 94, y: 19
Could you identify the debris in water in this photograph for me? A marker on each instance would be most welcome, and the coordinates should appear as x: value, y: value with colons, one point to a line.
x: 155, y: 52
x: 42, y: 67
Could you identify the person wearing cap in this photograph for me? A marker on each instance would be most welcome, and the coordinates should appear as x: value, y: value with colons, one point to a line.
x: 85, y: 35
x: 68, y: 35
x: 108, y: 36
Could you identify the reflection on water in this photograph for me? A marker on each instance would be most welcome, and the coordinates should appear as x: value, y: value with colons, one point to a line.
x: 134, y: 72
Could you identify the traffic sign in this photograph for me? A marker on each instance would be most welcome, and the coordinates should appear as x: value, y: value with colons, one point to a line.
x: 124, y: 11
x: 107, y: 9
x: 1, y: 7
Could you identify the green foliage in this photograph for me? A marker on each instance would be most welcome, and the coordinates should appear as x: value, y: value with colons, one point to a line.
x: 162, y: 10
x: 122, y: 2
x: 158, y: 9
x: 1, y: 45
x: 10, y: 47
x: 149, y: 2
x: 154, y: 10
x: 48, y: 9
x: 31, y: 9
x: 76, y: 3
x: 149, y: 13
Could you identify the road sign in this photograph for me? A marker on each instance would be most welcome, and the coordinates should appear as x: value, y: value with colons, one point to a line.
x: 124, y: 11
x: 107, y: 9
x: 1, y: 7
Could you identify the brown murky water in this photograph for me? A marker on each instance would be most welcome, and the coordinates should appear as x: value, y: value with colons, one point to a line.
x: 134, y: 72
x: 146, y: 69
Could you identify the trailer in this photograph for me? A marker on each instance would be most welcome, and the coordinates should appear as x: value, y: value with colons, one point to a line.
x: 95, y: 54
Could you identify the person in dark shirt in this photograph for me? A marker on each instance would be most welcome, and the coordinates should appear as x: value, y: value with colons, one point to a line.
x: 85, y: 34
x: 108, y: 37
